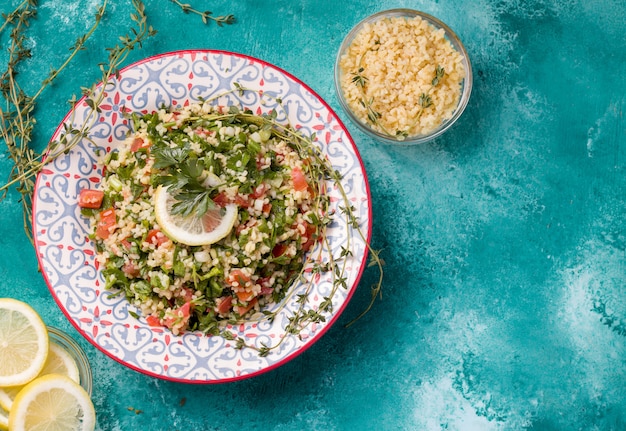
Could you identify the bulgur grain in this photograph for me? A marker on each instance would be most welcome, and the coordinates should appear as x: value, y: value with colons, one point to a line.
x: 398, y: 58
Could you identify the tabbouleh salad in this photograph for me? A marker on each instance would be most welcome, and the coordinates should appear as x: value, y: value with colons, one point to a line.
x: 209, y: 159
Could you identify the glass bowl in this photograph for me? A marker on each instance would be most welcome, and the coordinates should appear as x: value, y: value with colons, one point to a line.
x: 66, y: 342
x: 438, y: 125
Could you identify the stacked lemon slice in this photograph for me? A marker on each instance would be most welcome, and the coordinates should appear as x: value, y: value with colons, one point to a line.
x: 39, y: 380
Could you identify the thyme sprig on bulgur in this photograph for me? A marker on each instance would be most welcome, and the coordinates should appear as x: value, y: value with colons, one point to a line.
x: 374, y: 116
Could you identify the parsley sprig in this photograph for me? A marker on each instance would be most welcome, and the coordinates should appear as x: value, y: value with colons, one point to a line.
x: 183, y: 178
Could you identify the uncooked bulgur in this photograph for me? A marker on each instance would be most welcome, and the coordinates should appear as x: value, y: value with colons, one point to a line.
x: 387, y: 76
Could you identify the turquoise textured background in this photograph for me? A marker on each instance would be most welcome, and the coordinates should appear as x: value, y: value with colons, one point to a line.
x: 504, y: 306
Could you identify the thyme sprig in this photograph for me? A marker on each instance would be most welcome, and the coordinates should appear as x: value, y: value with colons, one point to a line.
x: 17, y: 116
x: 206, y: 15
x: 17, y: 119
x: 361, y: 81
x: 425, y: 101
x: 307, y: 314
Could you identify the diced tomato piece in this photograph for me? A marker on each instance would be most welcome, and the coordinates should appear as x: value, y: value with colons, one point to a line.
x: 221, y: 199
x: 259, y: 191
x: 153, y: 320
x: 279, y: 249
x: 179, y: 318
x: 310, y: 235
x: 242, y: 201
x: 243, y: 309
x: 139, y: 144
x: 298, y: 179
x: 225, y: 305
x: 185, y: 310
x: 201, y: 131
x: 237, y: 276
x: 188, y: 295
x: 88, y: 198
x: 244, y: 295
x: 267, y: 208
x: 126, y: 243
x: 156, y: 237
x: 130, y: 269
x: 107, y: 221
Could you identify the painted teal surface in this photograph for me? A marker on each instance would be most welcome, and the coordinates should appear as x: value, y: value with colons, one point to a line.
x: 504, y: 303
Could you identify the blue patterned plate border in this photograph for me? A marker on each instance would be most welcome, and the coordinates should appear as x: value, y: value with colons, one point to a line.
x: 67, y: 256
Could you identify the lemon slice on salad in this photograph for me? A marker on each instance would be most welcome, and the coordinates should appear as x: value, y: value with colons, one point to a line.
x: 52, y: 402
x: 59, y: 362
x: 23, y: 343
x: 214, y: 225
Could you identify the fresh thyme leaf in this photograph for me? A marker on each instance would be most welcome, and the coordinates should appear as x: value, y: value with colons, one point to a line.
x: 425, y: 100
x: 206, y: 15
x: 239, y: 88
x: 439, y: 72
x: 372, y: 115
x: 358, y: 79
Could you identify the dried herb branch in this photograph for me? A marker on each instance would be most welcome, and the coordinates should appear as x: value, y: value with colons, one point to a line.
x: 17, y: 119
x: 206, y: 15
x: 13, y: 15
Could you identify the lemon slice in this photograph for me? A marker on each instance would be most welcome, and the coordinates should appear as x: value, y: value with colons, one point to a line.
x: 23, y: 343
x: 7, y: 395
x: 59, y: 362
x: 193, y: 230
x: 4, y: 419
x: 54, y: 403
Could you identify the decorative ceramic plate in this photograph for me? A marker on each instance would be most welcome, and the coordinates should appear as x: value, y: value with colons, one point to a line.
x: 67, y: 256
